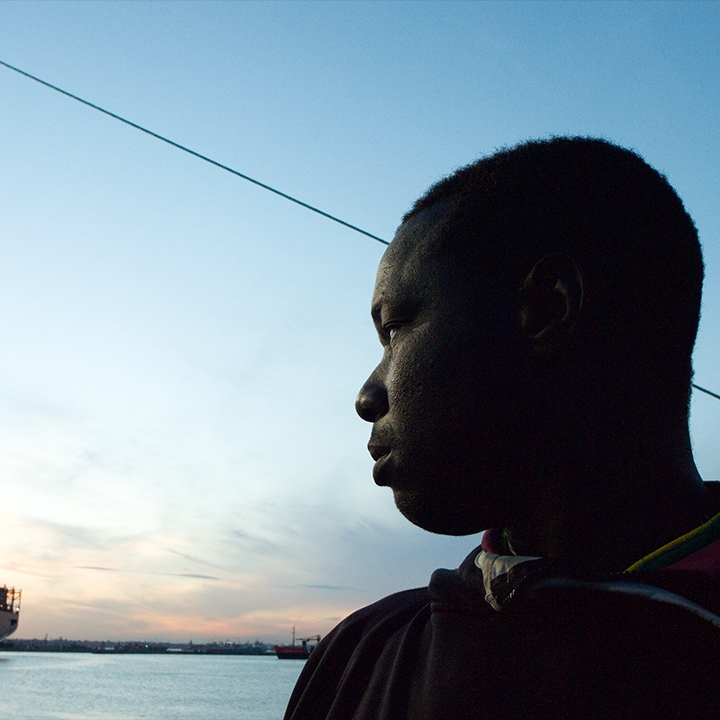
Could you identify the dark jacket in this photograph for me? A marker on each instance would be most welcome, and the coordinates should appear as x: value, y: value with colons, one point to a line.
x: 558, y: 644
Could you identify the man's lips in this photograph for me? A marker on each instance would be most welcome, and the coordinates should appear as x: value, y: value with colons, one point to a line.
x: 380, y: 454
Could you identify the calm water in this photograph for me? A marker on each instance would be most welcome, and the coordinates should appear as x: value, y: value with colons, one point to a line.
x: 82, y: 686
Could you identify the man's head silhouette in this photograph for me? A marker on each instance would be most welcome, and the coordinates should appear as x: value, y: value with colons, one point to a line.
x: 538, y: 311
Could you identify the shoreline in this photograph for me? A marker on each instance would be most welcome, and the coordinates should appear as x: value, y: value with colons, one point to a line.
x: 133, y: 647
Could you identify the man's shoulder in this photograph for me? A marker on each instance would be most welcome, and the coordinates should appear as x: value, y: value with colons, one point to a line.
x: 365, y: 645
x: 374, y: 625
x: 395, y: 606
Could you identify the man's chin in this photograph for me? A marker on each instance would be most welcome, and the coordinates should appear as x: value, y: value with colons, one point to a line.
x: 435, y: 515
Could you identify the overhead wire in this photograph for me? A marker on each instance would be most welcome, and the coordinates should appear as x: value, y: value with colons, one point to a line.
x: 194, y: 153
x: 705, y: 390
x: 220, y: 165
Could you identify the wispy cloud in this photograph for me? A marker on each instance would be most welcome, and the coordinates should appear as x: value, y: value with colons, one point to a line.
x: 193, y: 558
x: 94, y: 567
x: 329, y: 587
x: 195, y: 575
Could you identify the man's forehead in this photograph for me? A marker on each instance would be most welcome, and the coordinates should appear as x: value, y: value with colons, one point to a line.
x: 398, y: 268
x: 424, y: 225
x: 413, y: 237
x: 406, y: 264
x: 394, y: 278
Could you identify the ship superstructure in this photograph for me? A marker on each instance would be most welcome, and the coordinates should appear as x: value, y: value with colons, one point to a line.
x: 9, y: 610
x: 295, y: 651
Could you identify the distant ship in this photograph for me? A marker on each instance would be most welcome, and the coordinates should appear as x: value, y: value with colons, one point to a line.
x: 9, y: 611
x: 295, y: 651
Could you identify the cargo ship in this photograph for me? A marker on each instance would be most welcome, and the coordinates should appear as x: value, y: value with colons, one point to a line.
x: 9, y: 610
x: 296, y: 651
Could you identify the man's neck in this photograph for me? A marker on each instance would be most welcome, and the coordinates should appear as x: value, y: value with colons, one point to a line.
x: 610, y: 515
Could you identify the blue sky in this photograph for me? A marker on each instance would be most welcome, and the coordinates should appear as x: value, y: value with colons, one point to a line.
x: 179, y: 454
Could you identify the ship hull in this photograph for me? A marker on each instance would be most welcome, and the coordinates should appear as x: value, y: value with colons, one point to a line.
x: 292, y: 652
x: 8, y: 623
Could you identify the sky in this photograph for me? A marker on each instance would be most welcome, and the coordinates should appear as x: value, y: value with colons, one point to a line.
x: 179, y: 453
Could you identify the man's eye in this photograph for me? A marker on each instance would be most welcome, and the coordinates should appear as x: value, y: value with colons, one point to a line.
x: 391, y: 331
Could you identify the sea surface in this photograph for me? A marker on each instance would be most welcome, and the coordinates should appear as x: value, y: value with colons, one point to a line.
x: 83, y: 686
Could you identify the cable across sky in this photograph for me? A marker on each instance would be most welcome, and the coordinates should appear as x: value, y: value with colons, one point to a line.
x: 220, y: 165
x: 193, y: 152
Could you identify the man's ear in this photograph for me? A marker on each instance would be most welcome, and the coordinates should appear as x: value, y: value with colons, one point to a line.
x: 551, y: 300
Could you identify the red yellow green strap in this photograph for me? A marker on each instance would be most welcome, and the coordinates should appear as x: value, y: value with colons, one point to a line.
x: 679, y: 548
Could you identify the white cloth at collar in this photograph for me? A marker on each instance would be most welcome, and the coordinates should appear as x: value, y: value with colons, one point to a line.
x: 494, y: 566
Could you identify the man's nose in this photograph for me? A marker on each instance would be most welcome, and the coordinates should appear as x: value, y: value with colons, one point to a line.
x: 372, y: 401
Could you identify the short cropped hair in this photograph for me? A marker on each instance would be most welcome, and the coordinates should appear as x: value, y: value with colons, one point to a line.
x: 617, y: 217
